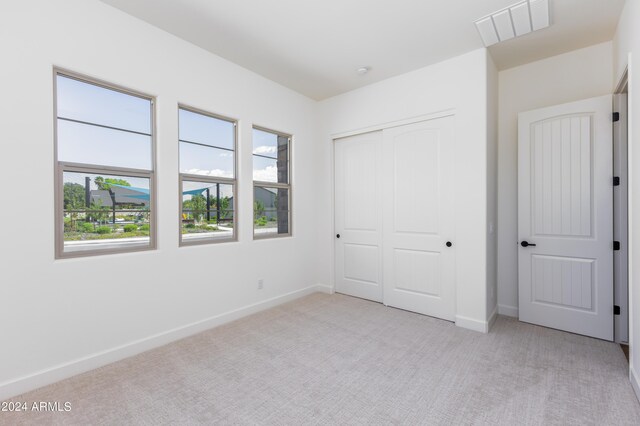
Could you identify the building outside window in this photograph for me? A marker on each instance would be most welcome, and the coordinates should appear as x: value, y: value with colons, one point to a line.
x: 271, y: 183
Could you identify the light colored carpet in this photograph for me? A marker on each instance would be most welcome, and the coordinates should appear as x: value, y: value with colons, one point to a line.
x: 341, y: 360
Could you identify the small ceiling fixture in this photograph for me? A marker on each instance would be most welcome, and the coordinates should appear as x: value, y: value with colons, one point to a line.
x: 363, y: 70
x: 513, y: 21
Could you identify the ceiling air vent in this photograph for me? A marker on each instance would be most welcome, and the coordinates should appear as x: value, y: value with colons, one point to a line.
x: 516, y: 20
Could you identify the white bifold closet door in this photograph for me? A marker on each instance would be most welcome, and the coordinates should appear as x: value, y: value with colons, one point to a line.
x: 395, y: 217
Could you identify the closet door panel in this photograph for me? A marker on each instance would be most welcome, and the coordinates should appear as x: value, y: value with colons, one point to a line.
x: 418, y: 218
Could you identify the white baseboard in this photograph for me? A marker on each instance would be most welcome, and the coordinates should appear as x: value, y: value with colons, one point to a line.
x: 472, y: 324
x: 63, y: 371
x: 510, y: 311
x: 324, y: 288
x: 635, y: 382
x: 492, y: 318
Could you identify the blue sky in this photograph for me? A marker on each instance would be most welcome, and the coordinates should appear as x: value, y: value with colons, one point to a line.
x: 82, y: 143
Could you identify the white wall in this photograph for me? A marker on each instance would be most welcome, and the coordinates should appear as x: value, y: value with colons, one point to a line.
x: 459, y: 84
x: 572, y: 76
x: 492, y: 187
x: 66, y: 316
x: 627, y: 42
x: 58, y: 317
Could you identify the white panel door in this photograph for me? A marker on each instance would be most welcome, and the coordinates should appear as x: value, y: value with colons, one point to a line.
x: 565, y: 217
x: 418, y: 218
x: 358, y: 216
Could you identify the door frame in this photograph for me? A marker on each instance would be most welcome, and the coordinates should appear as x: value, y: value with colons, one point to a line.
x: 622, y: 88
x: 359, y: 131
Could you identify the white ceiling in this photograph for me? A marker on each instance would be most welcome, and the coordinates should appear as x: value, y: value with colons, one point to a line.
x: 315, y: 47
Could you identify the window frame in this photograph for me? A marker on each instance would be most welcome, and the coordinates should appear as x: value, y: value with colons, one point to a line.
x: 60, y: 167
x: 262, y: 184
x: 208, y: 179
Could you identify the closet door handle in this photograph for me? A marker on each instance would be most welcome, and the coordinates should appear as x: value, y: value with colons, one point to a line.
x: 337, y: 235
x: 448, y: 243
x: 527, y: 244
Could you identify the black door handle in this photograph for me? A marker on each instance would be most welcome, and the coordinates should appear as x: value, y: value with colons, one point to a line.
x: 448, y: 243
x: 337, y: 235
x: 527, y: 244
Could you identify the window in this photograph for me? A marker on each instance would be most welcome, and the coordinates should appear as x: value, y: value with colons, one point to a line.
x: 207, y: 177
x: 104, y: 168
x: 271, y: 184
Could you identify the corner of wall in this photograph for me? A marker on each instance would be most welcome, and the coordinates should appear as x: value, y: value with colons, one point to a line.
x: 476, y: 325
x: 492, y: 189
x: 510, y: 311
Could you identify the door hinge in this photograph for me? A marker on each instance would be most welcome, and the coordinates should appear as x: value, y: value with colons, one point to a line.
x: 616, y: 310
x: 616, y: 181
x: 616, y: 245
x: 616, y: 116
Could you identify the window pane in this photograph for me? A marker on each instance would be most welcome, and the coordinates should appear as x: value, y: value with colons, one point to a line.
x: 102, y: 212
x: 270, y: 145
x: 270, y: 210
x: 269, y: 170
x: 270, y: 157
x: 206, y: 161
x: 207, y: 211
x: 265, y: 143
x: 94, y: 104
x: 82, y: 143
x: 265, y: 169
x: 206, y: 130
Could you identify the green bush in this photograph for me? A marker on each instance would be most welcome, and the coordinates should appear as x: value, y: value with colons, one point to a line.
x: 87, y: 227
x: 261, y: 221
x: 145, y: 227
x: 103, y: 230
x: 130, y: 227
x: 190, y: 225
